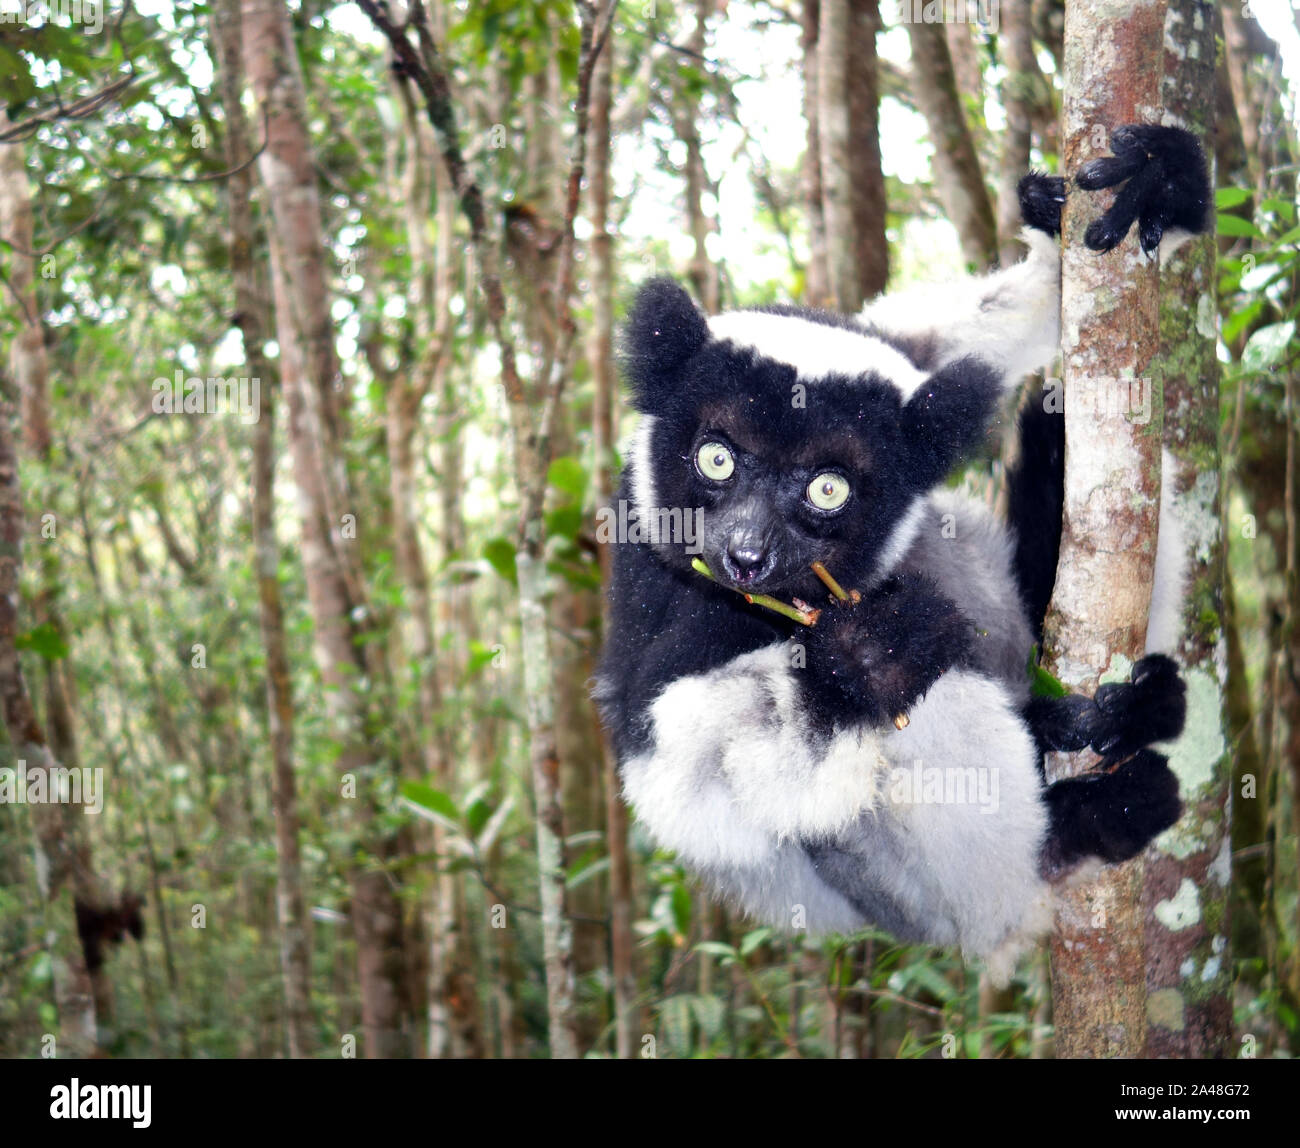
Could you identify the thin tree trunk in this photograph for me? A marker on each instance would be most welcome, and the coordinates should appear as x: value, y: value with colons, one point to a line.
x: 252, y: 305
x: 329, y: 559
x: 958, y: 180
x: 532, y: 440
x: 870, y: 247
x: 1016, y: 39
x: 817, y: 286
x: 1098, y: 619
x: 703, y: 271
x: 600, y: 356
x: 64, y: 861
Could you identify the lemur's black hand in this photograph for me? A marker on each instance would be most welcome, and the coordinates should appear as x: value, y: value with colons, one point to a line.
x: 1167, y: 188
x: 872, y: 660
x: 1041, y: 199
x: 1120, y: 718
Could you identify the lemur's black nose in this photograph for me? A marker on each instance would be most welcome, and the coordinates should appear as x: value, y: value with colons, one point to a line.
x: 745, y: 559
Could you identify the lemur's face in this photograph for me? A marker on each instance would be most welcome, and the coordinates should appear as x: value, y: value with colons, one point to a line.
x: 777, y: 486
x: 774, y: 466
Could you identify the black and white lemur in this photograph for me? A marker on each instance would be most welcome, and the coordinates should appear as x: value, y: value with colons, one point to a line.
x: 764, y: 752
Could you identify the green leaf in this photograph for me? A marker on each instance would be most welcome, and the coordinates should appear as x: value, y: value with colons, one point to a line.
x: 717, y: 949
x: 1041, y: 683
x: 500, y: 553
x: 434, y: 800
x: 1279, y: 207
x: 1226, y: 197
x: 1235, y: 226
x: 753, y: 939
x: 1267, y: 346
x: 568, y: 475
x: 44, y: 640
x: 709, y: 1015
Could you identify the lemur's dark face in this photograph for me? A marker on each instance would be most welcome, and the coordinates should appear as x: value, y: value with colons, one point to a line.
x: 774, y: 467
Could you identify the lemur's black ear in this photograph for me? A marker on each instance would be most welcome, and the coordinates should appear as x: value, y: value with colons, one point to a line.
x: 664, y: 329
x: 946, y: 417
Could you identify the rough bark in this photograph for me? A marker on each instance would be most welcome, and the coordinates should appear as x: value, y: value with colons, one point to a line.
x: 958, y: 180
x: 1189, y: 966
x: 252, y: 308
x: 1098, y: 620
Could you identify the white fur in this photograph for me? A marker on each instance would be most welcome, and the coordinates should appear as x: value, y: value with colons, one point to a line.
x: 817, y: 350
x: 643, y: 483
x: 901, y: 537
x: 1010, y: 319
x: 734, y: 782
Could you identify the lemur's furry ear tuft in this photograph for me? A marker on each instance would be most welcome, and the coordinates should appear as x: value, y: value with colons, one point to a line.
x: 663, y: 330
x: 946, y: 419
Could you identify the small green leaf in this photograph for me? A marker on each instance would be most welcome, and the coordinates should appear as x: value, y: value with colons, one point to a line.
x: 434, y: 800
x: 717, y: 949
x: 500, y: 553
x: 45, y: 640
x: 1235, y: 226
x: 1226, y: 197
x: 568, y: 475
x: 753, y: 939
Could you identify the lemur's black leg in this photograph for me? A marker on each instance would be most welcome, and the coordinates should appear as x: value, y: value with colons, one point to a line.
x: 1112, y: 816
x: 1120, y: 718
x: 1168, y: 186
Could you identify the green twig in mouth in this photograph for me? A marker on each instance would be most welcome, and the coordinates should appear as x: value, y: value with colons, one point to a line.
x: 803, y: 617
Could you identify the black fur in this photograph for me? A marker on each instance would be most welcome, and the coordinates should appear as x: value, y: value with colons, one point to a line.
x: 873, y: 659
x: 1168, y: 186
x: 1041, y: 199
x: 1035, y: 501
x: 1110, y: 815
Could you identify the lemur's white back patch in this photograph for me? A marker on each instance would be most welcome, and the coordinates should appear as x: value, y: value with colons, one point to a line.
x: 816, y: 350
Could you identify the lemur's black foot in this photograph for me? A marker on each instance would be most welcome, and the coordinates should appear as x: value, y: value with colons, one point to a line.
x: 1041, y: 199
x: 871, y: 660
x: 1121, y: 718
x: 1167, y: 188
x: 1112, y: 816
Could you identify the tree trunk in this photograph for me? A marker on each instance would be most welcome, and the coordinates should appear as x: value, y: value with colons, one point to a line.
x: 252, y: 306
x: 600, y: 356
x: 1189, y: 969
x: 1016, y: 40
x: 958, y: 181
x: 1098, y: 620
x: 67, y: 876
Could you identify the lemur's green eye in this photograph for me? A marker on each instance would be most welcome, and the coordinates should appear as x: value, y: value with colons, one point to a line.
x: 715, y: 461
x: 828, y: 491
